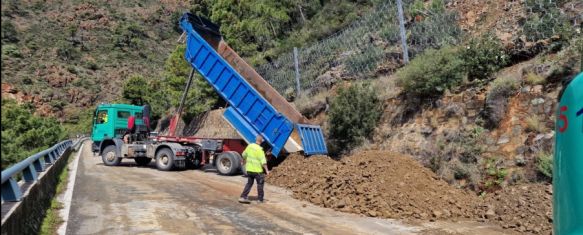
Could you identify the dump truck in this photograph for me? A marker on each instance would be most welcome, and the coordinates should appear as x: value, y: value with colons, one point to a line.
x: 254, y: 108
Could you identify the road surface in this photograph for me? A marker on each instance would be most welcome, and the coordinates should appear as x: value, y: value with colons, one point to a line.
x: 142, y: 200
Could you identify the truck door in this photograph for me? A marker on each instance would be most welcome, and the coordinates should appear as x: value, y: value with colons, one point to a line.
x: 101, y: 124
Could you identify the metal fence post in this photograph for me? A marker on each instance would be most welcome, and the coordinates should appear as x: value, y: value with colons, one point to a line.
x: 297, y: 66
x: 402, y: 30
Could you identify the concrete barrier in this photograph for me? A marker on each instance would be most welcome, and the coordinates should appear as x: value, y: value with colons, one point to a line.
x: 25, y: 216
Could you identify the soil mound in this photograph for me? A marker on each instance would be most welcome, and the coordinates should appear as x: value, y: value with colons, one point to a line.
x: 373, y: 183
x: 524, y: 208
x: 390, y: 185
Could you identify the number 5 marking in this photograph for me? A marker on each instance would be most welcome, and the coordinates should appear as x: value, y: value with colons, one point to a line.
x: 563, y: 118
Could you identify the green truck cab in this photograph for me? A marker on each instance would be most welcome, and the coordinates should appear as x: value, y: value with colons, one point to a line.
x: 110, y: 125
x: 568, y: 161
x: 111, y: 120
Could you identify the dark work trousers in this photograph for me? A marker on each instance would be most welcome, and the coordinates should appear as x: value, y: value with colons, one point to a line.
x: 260, y: 177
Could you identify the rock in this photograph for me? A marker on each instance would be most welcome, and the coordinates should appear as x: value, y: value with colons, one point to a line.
x: 494, y: 111
x: 437, y: 214
x: 519, y: 160
x: 538, y: 137
x: 537, y: 89
x: 536, y: 229
x: 525, y: 89
x: 446, y: 213
x: 521, y: 149
x: 372, y: 213
x: 341, y: 204
x: 537, y: 101
x: 426, y: 130
x: 503, y: 139
x: 490, y: 214
x: 550, y: 135
x: 454, y: 109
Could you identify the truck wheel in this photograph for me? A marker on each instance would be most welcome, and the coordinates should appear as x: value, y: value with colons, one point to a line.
x: 165, y: 159
x: 108, y: 156
x: 143, y: 161
x: 228, y: 163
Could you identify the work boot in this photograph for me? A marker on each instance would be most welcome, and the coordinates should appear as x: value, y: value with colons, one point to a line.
x: 244, y: 200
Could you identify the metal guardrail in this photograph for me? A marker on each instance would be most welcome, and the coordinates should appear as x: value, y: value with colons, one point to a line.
x: 30, y: 167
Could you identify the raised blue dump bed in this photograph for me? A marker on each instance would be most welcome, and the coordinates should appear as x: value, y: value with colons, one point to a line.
x: 249, y: 113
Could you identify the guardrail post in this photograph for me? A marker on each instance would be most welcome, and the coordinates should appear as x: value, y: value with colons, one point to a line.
x: 39, y: 164
x: 10, y: 191
x: 49, y: 158
x: 30, y: 174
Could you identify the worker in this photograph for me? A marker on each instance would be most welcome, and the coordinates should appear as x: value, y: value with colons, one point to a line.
x: 255, y: 162
x: 103, y: 117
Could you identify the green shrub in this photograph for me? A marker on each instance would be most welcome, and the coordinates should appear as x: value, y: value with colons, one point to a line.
x: 483, y: 56
x: 390, y: 33
x: 24, y: 134
x: 544, y: 164
x: 128, y: 35
x: 366, y: 60
x: 9, y: 33
x: 495, y: 174
x: 353, y: 115
x: 430, y: 73
x: 502, y: 87
x: 67, y: 52
x: 544, y: 20
x: 11, y: 50
x: 436, y: 30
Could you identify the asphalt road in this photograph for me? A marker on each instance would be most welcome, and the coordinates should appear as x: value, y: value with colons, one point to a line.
x: 142, y: 200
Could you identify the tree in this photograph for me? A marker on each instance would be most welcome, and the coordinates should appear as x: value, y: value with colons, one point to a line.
x: 136, y: 89
x: 201, y: 96
x: 24, y: 134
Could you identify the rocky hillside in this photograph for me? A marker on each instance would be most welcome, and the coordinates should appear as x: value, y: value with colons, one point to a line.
x: 61, y: 56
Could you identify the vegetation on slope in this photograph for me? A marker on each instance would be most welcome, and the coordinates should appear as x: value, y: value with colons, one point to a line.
x: 24, y: 134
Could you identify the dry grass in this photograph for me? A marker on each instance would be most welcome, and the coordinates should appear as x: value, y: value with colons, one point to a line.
x: 386, y: 87
x: 534, y: 124
x: 305, y: 102
x: 535, y: 79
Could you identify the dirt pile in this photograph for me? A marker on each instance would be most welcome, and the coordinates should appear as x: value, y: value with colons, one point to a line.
x: 373, y: 183
x: 525, y: 208
x: 211, y: 124
x: 389, y: 185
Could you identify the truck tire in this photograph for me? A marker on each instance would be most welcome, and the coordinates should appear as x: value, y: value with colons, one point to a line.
x: 165, y: 159
x: 143, y: 161
x: 108, y: 156
x: 228, y: 163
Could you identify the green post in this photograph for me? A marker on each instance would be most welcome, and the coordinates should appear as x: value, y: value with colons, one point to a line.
x: 568, y: 163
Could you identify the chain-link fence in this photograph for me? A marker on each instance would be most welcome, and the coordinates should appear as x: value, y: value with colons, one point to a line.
x: 372, y: 44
